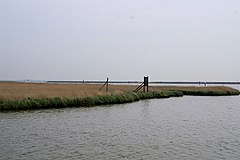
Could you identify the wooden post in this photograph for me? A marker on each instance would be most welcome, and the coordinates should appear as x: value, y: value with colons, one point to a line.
x: 145, y: 84
x: 107, y: 84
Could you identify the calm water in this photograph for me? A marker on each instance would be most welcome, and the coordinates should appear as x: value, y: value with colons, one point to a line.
x: 175, y: 128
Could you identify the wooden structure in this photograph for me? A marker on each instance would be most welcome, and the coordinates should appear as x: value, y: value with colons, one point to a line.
x: 105, y: 84
x: 144, y: 85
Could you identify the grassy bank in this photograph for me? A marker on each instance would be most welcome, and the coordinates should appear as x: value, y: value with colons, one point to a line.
x: 47, y: 103
x: 21, y: 91
x: 207, y: 91
x: 17, y: 96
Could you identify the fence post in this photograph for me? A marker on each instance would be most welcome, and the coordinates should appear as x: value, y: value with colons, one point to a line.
x: 107, y: 84
x: 145, y: 84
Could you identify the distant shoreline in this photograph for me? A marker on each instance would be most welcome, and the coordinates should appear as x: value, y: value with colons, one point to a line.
x: 125, y: 82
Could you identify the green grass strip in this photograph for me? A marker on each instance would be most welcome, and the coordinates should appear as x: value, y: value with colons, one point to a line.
x: 46, y: 103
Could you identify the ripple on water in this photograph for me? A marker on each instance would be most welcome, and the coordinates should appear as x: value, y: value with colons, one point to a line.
x: 176, y: 128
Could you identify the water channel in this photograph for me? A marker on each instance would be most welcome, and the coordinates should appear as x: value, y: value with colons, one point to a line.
x: 176, y: 128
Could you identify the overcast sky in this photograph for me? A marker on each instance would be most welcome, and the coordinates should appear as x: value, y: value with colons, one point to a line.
x: 195, y: 40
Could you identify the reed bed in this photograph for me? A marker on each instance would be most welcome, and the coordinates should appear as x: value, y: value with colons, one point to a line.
x: 19, y: 91
x: 48, y: 103
x: 200, y: 91
x: 18, y: 96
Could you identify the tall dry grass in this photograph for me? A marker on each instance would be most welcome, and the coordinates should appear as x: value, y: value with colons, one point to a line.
x: 18, y: 91
x: 15, y: 90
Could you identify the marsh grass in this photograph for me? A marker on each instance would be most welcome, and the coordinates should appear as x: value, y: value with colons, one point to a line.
x: 200, y: 91
x: 47, y: 103
x: 16, y: 91
x: 19, y: 91
x: 17, y: 96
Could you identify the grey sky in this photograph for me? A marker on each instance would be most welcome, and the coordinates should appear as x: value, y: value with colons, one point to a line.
x: 122, y: 39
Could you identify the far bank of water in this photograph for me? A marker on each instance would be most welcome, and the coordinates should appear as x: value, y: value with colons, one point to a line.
x: 188, y: 127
